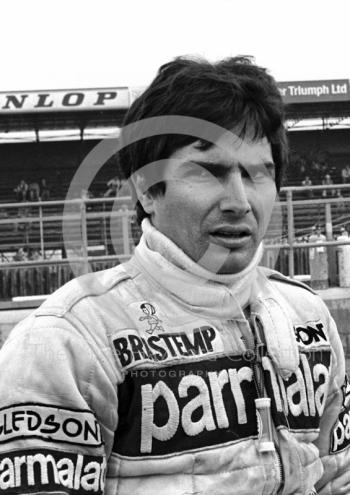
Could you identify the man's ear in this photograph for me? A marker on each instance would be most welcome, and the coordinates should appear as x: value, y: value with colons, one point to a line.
x: 143, y: 194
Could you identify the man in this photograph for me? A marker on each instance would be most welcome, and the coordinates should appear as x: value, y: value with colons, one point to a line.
x: 328, y: 181
x: 345, y: 174
x: 188, y: 369
x: 344, y: 234
x: 307, y: 182
x: 113, y: 185
x: 318, y: 259
x: 21, y: 191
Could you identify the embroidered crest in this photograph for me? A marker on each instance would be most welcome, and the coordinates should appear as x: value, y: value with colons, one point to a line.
x: 150, y: 316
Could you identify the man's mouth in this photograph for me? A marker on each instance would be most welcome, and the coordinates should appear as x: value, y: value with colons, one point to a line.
x: 232, y: 237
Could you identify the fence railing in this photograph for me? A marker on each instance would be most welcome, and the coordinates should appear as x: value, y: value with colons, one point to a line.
x: 36, y: 258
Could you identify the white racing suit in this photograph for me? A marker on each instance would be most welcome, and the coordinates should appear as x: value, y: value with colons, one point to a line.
x: 116, y: 385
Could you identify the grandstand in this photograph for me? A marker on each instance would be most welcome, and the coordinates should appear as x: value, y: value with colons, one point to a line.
x: 47, y: 134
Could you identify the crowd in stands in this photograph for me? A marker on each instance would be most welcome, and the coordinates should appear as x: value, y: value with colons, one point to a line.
x: 313, y: 234
x: 32, y: 191
x: 19, y: 237
x: 27, y: 254
x: 317, y: 234
x: 304, y: 170
x: 40, y: 191
x: 317, y: 169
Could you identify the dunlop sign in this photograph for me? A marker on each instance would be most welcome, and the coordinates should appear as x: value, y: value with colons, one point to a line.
x: 64, y: 100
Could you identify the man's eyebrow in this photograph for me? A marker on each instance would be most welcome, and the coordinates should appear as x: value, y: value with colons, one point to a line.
x: 268, y: 164
x: 209, y: 165
x: 220, y: 166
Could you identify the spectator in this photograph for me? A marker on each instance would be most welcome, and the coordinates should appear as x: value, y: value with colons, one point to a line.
x: 44, y: 190
x: 114, y: 186
x: 340, y: 203
x: 307, y: 182
x: 21, y: 191
x: 34, y: 254
x: 327, y: 181
x: 345, y: 174
x: 21, y: 255
x: 324, y: 167
x: 316, y: 235
x: 313, y: 232
x: 344, y: 234
x: 33, y: 191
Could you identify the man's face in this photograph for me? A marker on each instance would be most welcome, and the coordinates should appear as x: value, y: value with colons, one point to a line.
x: 218, y: 202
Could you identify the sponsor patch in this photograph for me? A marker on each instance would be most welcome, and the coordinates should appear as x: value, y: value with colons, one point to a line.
x: 299, y: 401
x: 49, y: 423
x: 210, y: 402
x: 184, y: 407
x: 340, y: 434
x: 46, y: 471
x: 311, y: 335
x: 132, y: 349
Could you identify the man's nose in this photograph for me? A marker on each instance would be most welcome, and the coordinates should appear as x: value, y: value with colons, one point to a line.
x: 234, y: 195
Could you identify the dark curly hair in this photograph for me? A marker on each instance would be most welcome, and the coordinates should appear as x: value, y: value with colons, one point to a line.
x: 230, y: 93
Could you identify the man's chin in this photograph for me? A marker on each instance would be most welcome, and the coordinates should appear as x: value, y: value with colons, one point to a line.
x: 237, y: 261
x: 226, y: 262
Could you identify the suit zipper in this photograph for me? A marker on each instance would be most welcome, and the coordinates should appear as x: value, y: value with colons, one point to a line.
x: 280, y: 470
x: 264, y: 418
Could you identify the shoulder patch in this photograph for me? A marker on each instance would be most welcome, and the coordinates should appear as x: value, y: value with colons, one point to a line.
x: 49, y: 423
x: 274, y: 275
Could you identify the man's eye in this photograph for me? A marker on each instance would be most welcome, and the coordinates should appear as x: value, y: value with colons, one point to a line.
x: 259, y: 173
x: 203, y: 173
x: 198, y: 172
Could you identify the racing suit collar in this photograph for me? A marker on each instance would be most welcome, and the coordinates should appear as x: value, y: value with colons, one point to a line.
x: 157, y: 241
x: 216, y: 295
x: 223, y: 297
